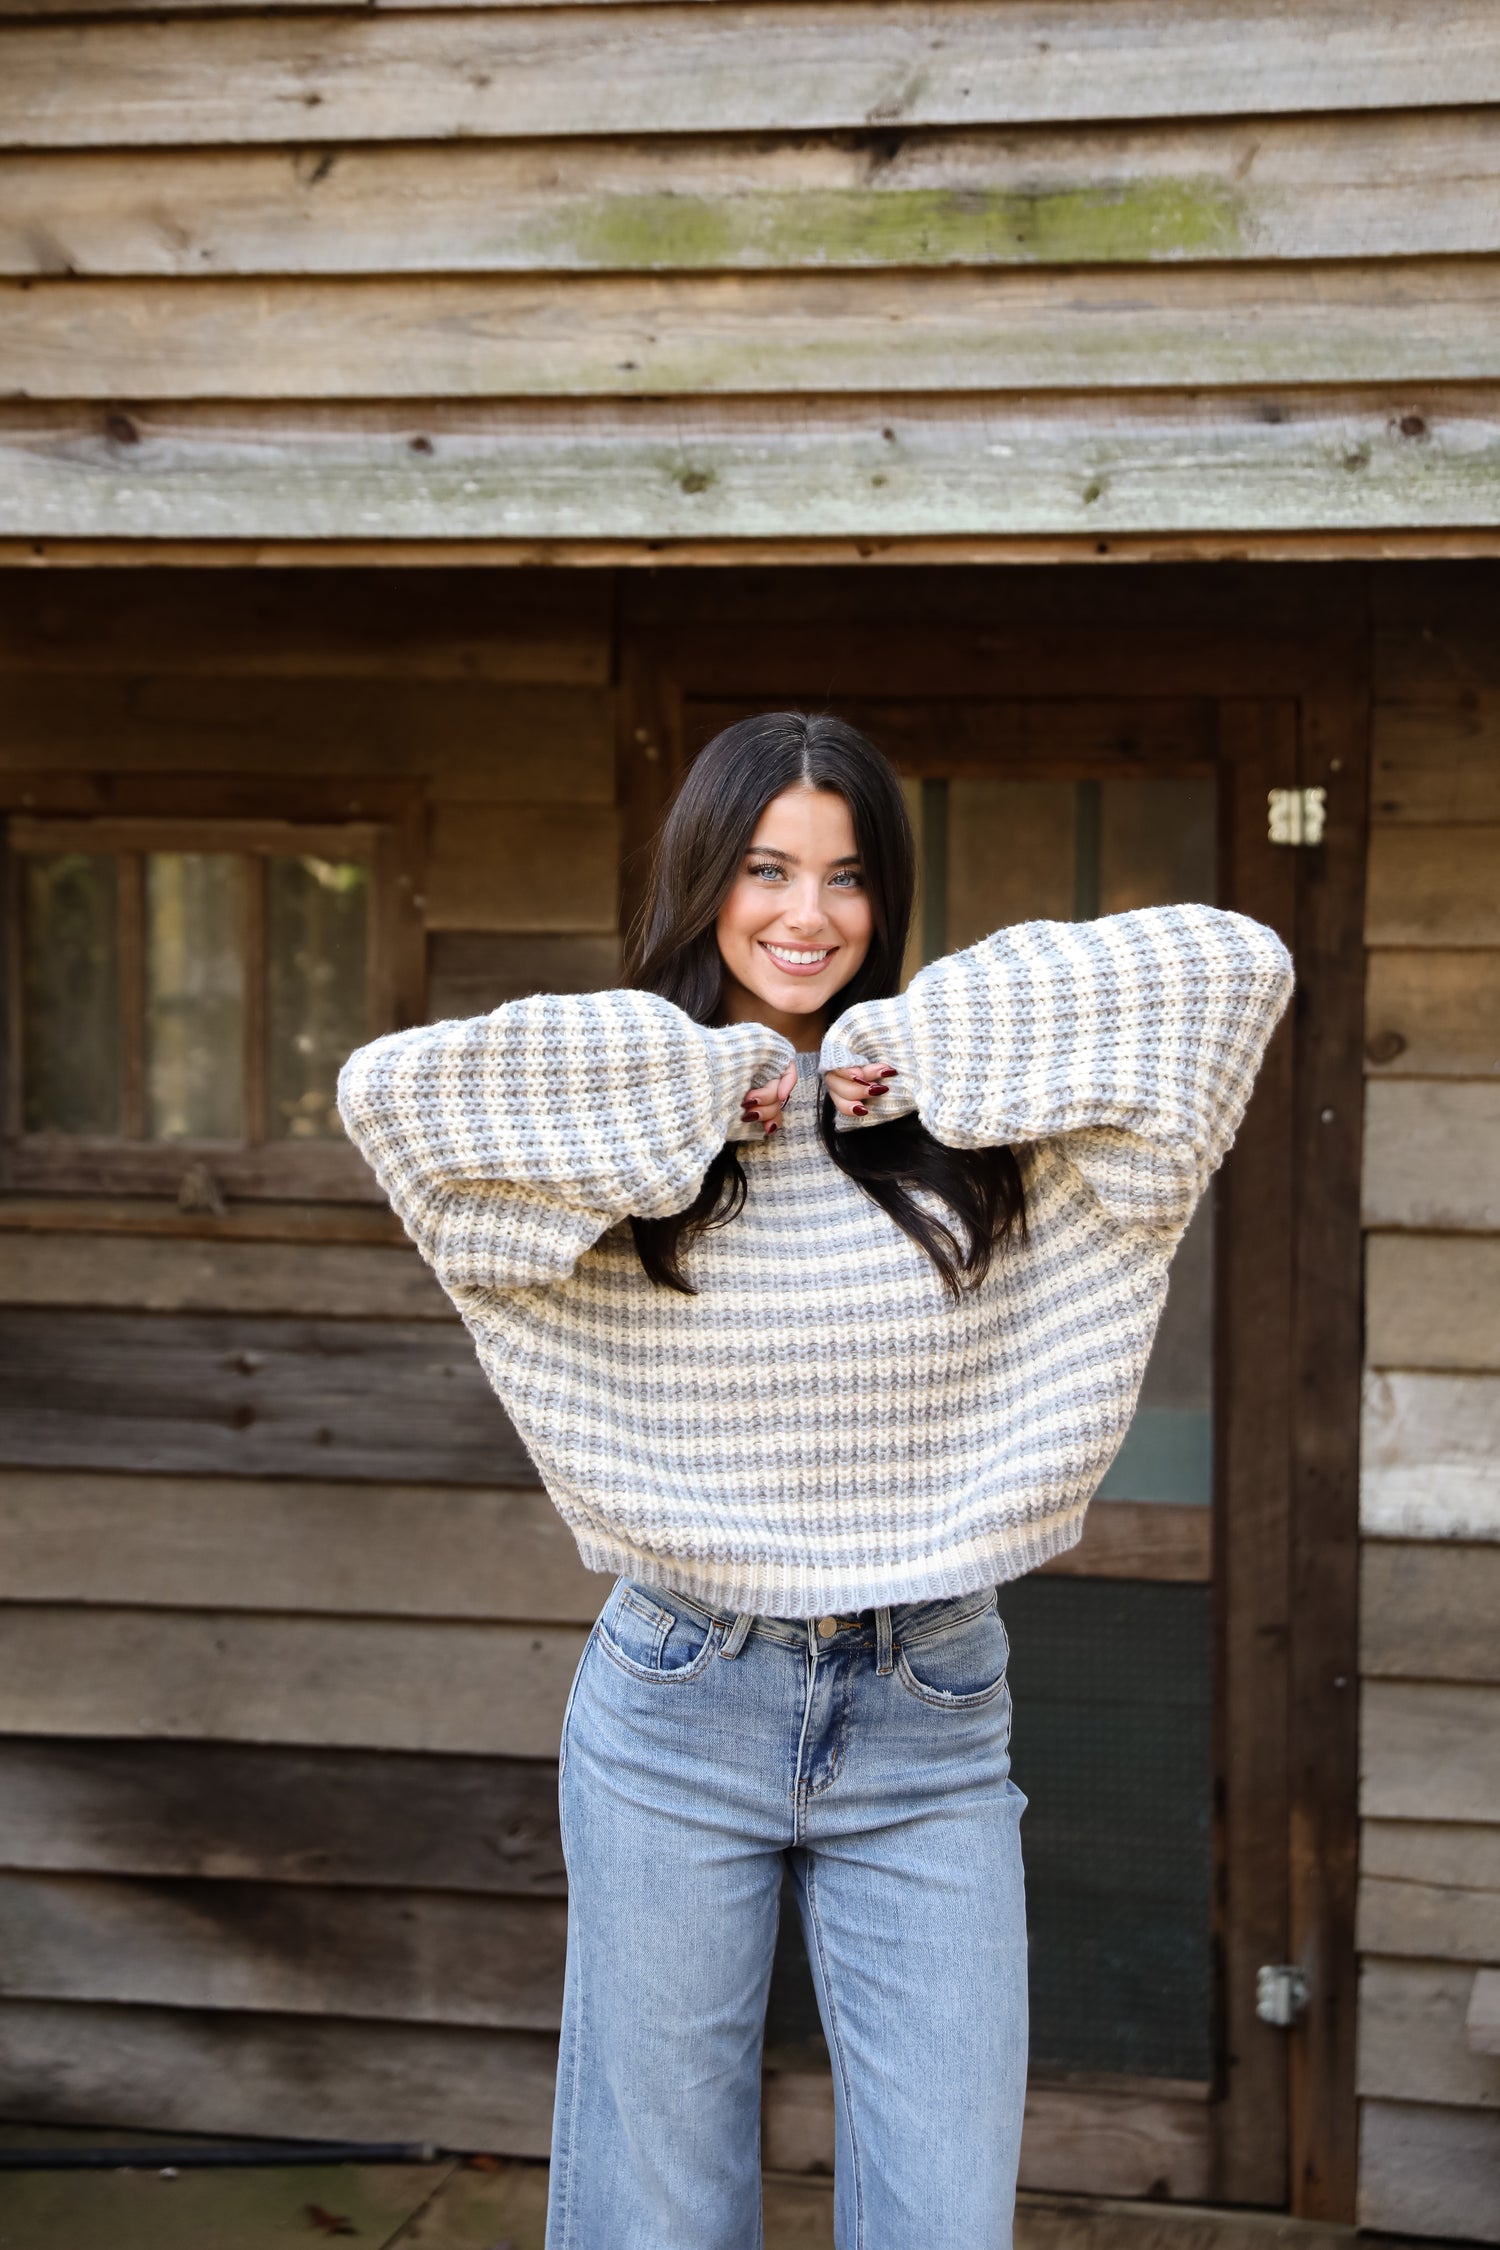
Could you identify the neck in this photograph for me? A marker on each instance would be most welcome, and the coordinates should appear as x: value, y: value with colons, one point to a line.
x: 739, y: 1005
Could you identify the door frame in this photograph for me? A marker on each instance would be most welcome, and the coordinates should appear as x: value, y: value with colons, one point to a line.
x: 1292, y: 704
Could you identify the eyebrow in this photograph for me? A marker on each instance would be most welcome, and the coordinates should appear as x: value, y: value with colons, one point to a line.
x: 773, y: 851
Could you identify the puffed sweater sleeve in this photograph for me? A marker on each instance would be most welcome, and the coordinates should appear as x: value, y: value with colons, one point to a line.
x: 509, y: 1143
x: 1132, y: 1040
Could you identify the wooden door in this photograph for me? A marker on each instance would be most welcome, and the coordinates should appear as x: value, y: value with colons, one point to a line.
x: 1154, y: 1665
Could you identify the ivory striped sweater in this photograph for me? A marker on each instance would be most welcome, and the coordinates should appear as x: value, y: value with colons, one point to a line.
x: 821, y: 1427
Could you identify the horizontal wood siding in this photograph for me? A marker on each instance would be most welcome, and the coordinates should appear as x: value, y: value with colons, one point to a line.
x: 1429, y: 1909
x: 251, y: 1397
x: 1268, y: 245
x: 287, y: 1626
x: 893, y: 465
x: 779, y: 64
x: 104, y: 1805
x: 1283, y: 189
x: 604, y: 336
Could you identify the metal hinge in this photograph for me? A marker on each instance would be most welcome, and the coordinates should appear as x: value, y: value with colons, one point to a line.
x: 1280, y: 1993
x: 1296, y: 816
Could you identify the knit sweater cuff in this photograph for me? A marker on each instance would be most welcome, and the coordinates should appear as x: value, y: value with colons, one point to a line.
x: 875, y: 1031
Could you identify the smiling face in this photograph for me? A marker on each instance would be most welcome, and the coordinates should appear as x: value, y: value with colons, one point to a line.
x: 796, y: 924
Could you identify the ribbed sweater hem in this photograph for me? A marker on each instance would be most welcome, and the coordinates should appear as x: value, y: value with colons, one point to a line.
x: 803, y: 1590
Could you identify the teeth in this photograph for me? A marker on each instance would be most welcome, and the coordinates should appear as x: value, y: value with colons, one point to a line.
x: 783, y: 953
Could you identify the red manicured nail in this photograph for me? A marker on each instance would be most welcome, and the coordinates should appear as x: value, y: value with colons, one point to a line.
x: 860, y: 1110
x: 890, y: 1073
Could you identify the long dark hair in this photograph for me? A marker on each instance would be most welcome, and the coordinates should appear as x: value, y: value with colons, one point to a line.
x: 674, y: 951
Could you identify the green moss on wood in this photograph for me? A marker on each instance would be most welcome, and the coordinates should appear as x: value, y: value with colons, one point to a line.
x: 1122, y: 222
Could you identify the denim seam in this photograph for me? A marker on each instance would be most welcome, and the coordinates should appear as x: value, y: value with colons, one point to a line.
x: 840, y: 1738
x: 936, y: 1700
x: 566, y: 2238
x: 837, y: 2048
x: 681, y: 1675
x: 946, y: 1625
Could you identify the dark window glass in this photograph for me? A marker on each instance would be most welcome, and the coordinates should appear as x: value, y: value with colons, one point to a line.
x: 316, y: 913
x: 195, y: 996
x: 70, y: 1000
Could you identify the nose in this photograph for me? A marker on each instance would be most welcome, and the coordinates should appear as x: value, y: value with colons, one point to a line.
x: 803, y: 909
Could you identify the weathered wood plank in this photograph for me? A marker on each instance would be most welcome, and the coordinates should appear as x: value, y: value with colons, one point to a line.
x: 1432, y: 1156
x: 148, y: 1218
x: 1429, y: 1921
x: 1431, y: 1014
x: 755, y: 468
x: 203, y: 1394
x: 1427, y: 2169
x: 448, y: 336
x: 1411, y: 2036
x: 1429, y: 1751
x: 777, y: 65
x: 1433, y: 1301
x: 315, y: 1280
x: 472, y: 742
x: 313, y: 1549
x: 1140, y: 1539
x: 1433, y: 886
x: 386, y: 1955
x: 1429, y: 1611
x: 471, y: 972
x: 1436, y: 755
x: 335, y: 1682
x: 533, y: 628
x: 1440, y: 1856
x: 264, y: 1814
x: 530, y: 867
x: 210, y: 2071
x: 1430, y: 1456
x: 1287, y: 188
x: 1091, y: 2142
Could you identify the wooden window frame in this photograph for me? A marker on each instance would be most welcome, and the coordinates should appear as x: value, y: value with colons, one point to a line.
x: 382, y: 829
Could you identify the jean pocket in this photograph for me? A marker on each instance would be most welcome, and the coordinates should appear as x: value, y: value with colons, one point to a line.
x: 960, y: 1666
x: 651, y: 1641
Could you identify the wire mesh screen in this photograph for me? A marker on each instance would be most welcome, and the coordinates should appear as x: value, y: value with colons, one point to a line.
x: 1110, y: 1682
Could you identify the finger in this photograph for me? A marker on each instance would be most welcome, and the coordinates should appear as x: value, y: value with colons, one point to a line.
x: 787, y: 1082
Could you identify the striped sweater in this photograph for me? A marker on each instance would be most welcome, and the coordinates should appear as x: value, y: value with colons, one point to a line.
x: 821, y: 1427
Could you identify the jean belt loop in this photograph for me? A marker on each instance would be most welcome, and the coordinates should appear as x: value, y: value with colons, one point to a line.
x: 739, y: 1633
x: 885, y: 1661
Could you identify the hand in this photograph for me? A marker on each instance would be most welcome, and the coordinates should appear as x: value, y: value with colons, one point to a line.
x: 857, y: 1086
x: 764, y: 1104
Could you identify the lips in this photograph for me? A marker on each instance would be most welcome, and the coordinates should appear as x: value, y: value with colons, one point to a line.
x: 798, y: 960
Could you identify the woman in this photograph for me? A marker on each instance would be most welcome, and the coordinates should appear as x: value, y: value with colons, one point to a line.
x: 822, y: 1311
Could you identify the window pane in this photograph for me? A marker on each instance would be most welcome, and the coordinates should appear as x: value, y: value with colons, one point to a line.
x: 316, y: 913
x: 70, y: 992
x: 195, y: 996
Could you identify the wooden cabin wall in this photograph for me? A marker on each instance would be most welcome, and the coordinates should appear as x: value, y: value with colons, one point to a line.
x: 287, y: 1628
x: 1429, y: 1906
x: 840, y: 269
x: 278, y: 1842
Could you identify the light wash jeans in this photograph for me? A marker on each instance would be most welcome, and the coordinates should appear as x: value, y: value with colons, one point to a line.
x: 703, y: 1752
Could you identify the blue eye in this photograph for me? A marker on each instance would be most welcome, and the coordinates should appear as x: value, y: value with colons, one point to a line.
x: 763, y: 867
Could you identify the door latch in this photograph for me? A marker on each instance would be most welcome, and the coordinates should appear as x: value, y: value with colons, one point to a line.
x: 1280, y: 1993
x: 1296, y: 816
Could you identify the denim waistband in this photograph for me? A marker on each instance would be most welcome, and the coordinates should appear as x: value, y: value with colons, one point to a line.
x: 909, y: 1621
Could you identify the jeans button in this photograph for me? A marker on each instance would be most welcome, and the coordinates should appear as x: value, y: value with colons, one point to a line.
x: 827, y: 1627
